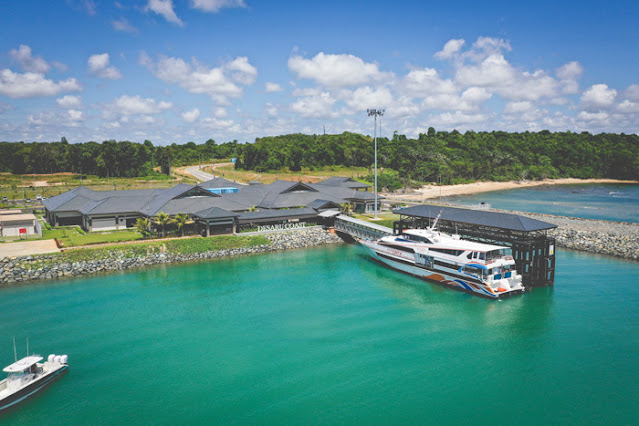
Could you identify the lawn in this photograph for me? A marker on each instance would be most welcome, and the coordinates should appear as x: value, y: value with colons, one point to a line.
x: 74, y: 236
x: 384, y: 218
x: 17, y: 187
x: 305, y: 175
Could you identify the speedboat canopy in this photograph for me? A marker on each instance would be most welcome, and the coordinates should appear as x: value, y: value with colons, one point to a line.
x: 23, y: 364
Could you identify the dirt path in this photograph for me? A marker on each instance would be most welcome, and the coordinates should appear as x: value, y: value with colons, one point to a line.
x: 28, y: 248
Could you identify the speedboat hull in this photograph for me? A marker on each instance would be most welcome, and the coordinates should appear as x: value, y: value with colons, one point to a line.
x: 32, y: 388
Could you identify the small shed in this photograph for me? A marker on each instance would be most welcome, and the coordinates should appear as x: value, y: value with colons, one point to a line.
x: 16, y: 225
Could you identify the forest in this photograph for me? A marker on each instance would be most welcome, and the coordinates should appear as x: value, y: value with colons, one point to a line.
x: 449, y: 157
x: 453, y: 157
x: 109, y: 158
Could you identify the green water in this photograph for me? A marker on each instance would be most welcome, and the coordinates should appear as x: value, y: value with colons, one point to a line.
x: 325, y: 336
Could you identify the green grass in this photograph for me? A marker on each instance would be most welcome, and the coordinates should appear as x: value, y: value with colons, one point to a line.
x: 185, y: 246
x: 74, y: 236
x: 221, y: 242
x: 385, y: 218
x: 305, y: 175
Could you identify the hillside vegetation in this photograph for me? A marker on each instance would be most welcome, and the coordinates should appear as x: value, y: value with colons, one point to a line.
x: 449, y: 157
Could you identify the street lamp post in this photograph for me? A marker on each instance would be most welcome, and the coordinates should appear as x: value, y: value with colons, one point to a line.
x: 375, y: 113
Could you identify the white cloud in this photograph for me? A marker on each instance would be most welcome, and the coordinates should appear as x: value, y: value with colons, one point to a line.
x: 28, y: 62
x: 628, y: 107
x: 319, y: 106
x: 133, y: 105
x: 53, y: 120
x: 124, y: 26
x: 569, y: 74
x: 191, y: 116
x: 450, y: 48
x: 217, y: 124
x: 632, y: 92
x: 368, y: 97
x: 215, y: 6
x: 470, y: 100
x: 518, y: 107
x: 99, y: 66
x: 594, y: 117
x: 570, y: 71
x: 165, y: 9
x: 69, y: 101
x: 425, y: 82
x: 220, y: 112
x: 598, y: 96
x: 219, y: 83
x: 492, y: 71
x: 241, y: 70
x: 496, y: 74
x: 336, y: 70
x: 448, y: 119
x: 272, y: 87
x: 29, y: 85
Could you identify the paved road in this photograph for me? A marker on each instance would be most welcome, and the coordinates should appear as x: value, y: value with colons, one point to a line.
x: 199, y: 174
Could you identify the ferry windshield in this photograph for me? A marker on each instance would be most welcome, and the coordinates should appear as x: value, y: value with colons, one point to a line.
x: 497, y: 254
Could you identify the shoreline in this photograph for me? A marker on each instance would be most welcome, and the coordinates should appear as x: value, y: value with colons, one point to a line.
x: 433, y: 191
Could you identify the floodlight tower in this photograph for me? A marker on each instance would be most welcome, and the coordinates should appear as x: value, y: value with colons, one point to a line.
x: 375, y: 113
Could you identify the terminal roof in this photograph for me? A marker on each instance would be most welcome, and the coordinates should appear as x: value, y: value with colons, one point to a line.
x: 508, y: 221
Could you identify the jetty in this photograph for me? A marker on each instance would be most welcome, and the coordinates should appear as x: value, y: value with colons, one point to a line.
x: 533, y: 248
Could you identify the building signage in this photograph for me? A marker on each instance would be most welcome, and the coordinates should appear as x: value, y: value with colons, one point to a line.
x: 23, y: 230
x: 280, y: 226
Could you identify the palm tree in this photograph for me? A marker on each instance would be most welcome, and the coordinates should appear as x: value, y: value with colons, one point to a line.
x: 163, y: 220
x: 181, y: 219
x: 144, y: 226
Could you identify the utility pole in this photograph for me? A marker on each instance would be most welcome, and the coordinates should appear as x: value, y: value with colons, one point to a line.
x: 375, y: 113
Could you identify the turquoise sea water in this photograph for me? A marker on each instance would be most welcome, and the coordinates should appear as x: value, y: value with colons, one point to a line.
x: 605, y: 202
x: 325, y: 336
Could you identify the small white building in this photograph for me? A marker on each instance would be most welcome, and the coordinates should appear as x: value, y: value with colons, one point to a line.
x: 16, y: 225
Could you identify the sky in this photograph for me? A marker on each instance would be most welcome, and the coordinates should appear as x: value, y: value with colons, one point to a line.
x: 174, y: 71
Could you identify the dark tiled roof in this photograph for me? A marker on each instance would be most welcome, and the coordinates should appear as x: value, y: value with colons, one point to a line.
x: 194, y: 205
x: 343, y: 181
x: 219, y: 182
x: 215, y: 213
x: 320, y: 204
x: 507, y: 221
x: 156, y: 204
x: 273, y: 214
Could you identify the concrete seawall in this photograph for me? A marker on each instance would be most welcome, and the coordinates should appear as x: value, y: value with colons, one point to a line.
x: 29, y: 268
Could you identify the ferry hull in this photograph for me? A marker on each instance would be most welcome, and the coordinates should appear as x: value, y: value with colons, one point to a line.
x: 32, y: 388
x: 438, y: 277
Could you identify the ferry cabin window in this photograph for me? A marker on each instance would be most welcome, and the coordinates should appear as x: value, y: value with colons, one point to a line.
x: 496, y: 254
x: 477, y: 255
x: 401, y: 248
x: 448, y: 251
x: 415, y: 238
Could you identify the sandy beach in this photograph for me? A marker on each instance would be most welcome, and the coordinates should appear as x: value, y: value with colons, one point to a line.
x: 434, y: 191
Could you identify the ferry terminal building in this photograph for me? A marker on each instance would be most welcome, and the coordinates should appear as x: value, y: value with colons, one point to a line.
x: 218, y: 206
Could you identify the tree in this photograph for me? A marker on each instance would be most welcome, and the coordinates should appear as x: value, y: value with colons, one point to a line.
x: 180, y: 220
x: 163, y: 220
x: 144, y: 226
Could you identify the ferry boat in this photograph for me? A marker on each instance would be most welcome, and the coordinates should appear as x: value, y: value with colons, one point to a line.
x: 481, y: 269
x: 28, y: 375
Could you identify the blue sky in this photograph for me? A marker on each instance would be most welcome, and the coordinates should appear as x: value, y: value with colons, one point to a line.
x: 189, y: 70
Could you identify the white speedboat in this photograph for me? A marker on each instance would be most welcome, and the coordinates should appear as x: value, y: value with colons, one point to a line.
x: 28, y: 375
x: 482, y: 269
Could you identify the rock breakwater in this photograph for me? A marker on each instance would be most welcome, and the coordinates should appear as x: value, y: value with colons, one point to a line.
x: 44, y: 267
x: 619, y: 239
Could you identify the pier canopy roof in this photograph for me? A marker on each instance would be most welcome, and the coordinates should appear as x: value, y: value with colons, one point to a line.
x: 507, y: 221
